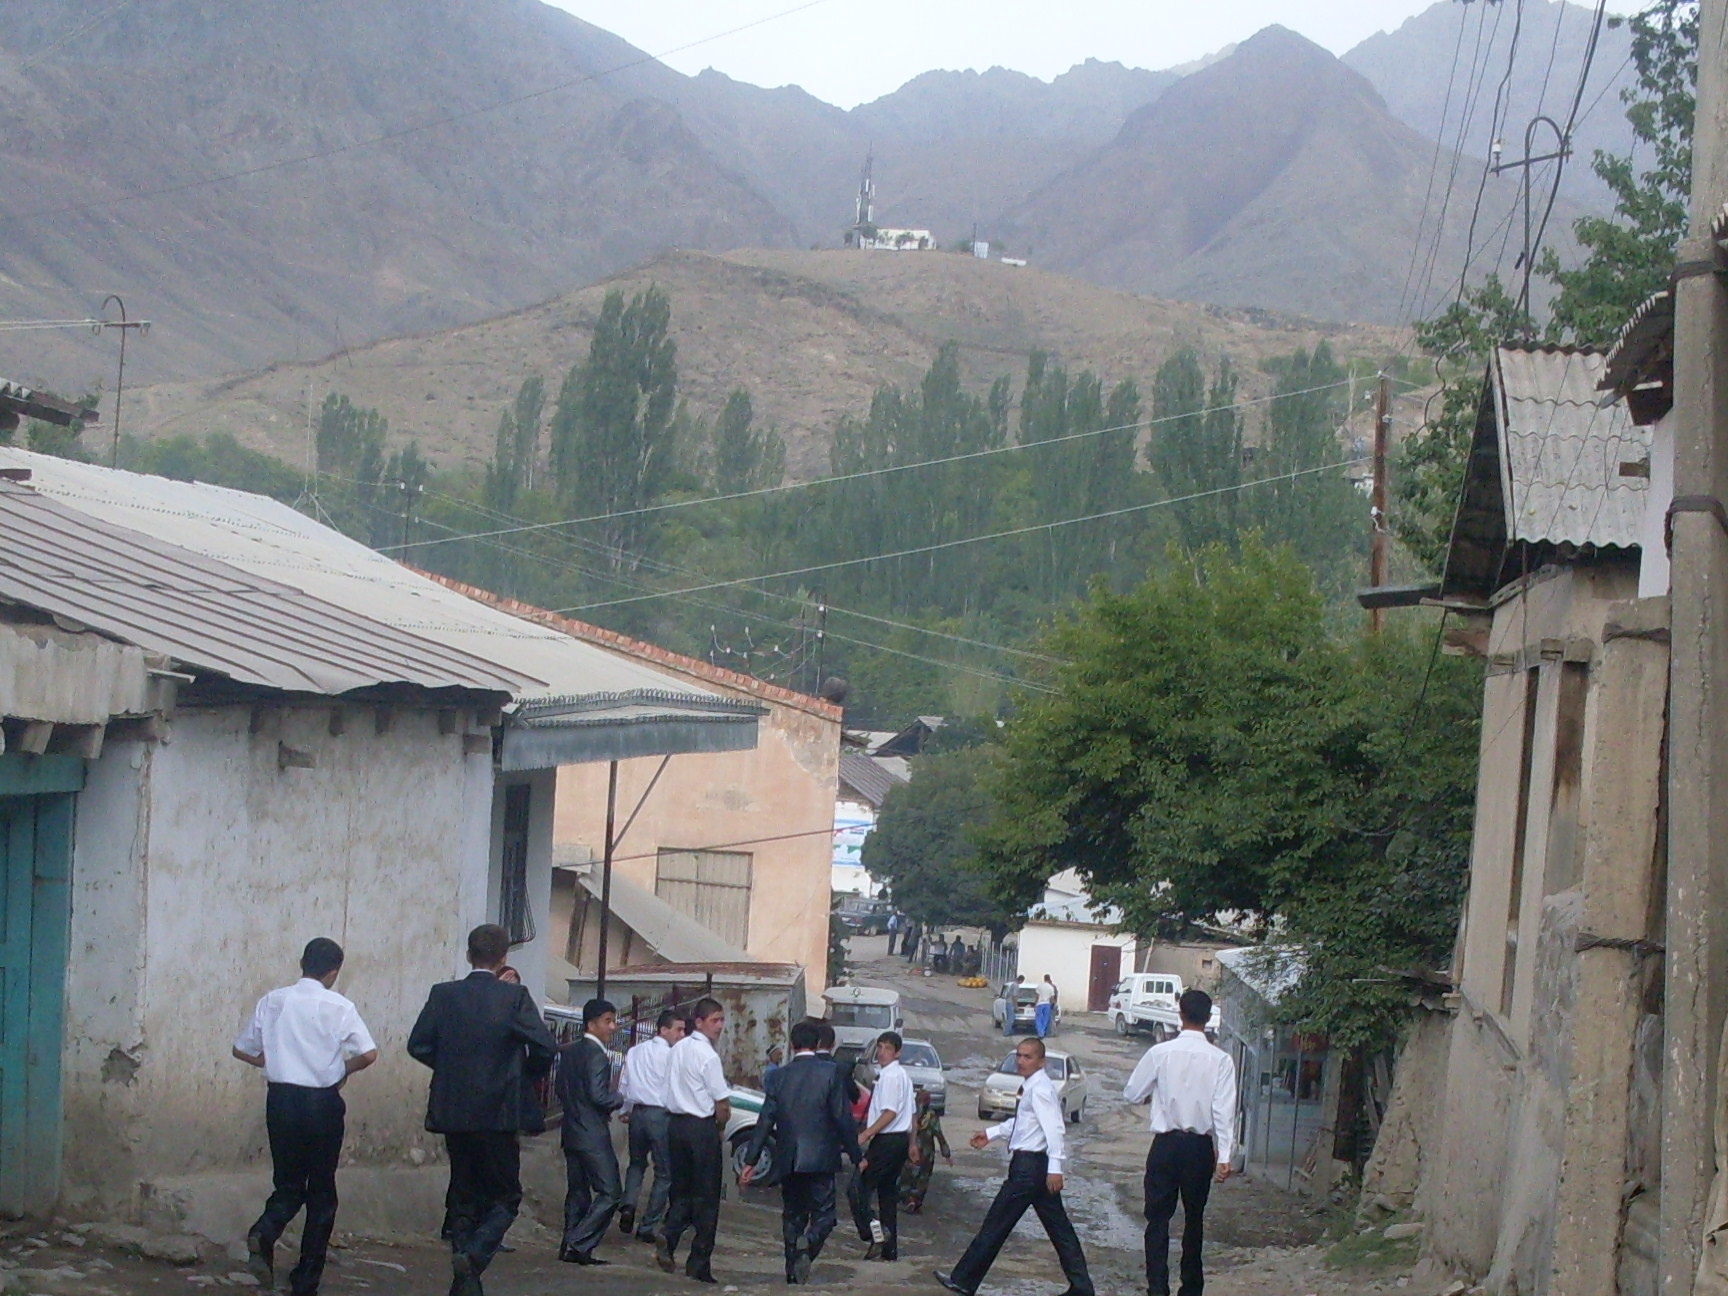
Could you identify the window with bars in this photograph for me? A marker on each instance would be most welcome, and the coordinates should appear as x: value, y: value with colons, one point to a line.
x: 515, y: 912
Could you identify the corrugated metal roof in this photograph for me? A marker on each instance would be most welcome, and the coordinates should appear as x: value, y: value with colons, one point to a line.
x: 209, y: 615
x: 1561, y: 451
x: 868, y: 777
x: 267, y: 538
x: 674, y: 936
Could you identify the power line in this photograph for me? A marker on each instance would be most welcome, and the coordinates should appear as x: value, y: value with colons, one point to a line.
x: 871, y: 472
x: 403, y: 132
x: 969, y: 540
x: 73, y: 35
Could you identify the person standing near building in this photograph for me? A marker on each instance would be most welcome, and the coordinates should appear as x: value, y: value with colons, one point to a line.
x: 886, y: 1142
x: 1046, y: 1006
x: 1191, y: 1084
x: 697, y: 1112
x: 1035, y: 1166
x: 806, y: 1113
x: 484, y: 1040
x: 893, y: 931
x: 588, y: 1100
x: 308, y: 1040
x: 642, y: 1086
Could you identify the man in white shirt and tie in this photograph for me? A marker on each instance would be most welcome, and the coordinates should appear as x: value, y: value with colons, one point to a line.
x: 1035, y: 1161
x: 643, y: 1088
x: 1191, y: 1084
x: 886, y: 1142
x: 697, y: 1110
x: 308, y: 1040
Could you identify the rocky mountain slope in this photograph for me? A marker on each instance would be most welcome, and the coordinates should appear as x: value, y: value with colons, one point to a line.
x: 276, y: 182
x: 811, y: 334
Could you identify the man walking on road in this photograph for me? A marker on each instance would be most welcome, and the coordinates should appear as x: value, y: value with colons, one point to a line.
x: 308, y: 1040
x: 806, y: 1112
x: 642, y: 1086
x: 1046, y: 1006
x: 1035, y: 1161
x: 585, y: 1093
x: 1191, y: 1085
x: 485, y: 1041
x: 886, y: 1142
x: 697, y: 1107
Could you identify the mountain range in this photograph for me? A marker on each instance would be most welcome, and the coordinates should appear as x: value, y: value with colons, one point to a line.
x: 270, y: 182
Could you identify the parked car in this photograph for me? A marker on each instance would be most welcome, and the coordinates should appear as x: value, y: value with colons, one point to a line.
x: 864, y: 916
x: 1000, y: 1094
x: 923, y: 1064
x: 1146, y: 1001
x: 1025, y: 1001
x: 860, y: 1013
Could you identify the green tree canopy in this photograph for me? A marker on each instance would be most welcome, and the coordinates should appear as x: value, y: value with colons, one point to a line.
x: 1213, y: 752
x: 921, y: 845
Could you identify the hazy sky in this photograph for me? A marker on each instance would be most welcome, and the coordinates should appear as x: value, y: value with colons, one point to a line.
x: 848, y: 52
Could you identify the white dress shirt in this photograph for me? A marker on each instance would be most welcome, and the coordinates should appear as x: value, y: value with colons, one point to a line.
x: 695, y: 1080
x: 1036, y: 1125
x: 306, y: 1034
x: 643, y: 1083
x: 893, y: 1092
x: 1192, y: 1085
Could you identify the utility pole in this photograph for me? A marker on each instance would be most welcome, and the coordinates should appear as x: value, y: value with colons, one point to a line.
x: 1377, y: 495
x: 125, y: 326
x: 1696, y: 963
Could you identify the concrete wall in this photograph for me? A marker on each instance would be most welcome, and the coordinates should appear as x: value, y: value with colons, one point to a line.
x: 1526, y: 1172
x: 775, y: 802
x: 1196, y: 963
x: 201, y: 868
x: 1064, y: 950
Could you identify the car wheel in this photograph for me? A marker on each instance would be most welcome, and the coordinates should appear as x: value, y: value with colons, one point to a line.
x: 1075, y: 1115
x: 1121, y: 1024
x: 765, y: 1176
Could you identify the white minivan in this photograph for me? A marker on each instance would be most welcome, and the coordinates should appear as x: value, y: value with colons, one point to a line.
x: 859, y: 1014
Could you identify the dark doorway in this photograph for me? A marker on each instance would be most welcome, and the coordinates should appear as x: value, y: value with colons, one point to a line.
x: 1106, y: 972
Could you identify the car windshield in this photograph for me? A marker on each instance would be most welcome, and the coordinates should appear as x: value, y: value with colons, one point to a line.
x: 920, y: 1055
x: 1052, y: 1067
x: 861, y: 1014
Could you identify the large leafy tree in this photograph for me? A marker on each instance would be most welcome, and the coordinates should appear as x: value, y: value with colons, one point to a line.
x: 1630, y: 253
x: 1195, y: 447
x: 922, y: 847
x: 1214, y: 752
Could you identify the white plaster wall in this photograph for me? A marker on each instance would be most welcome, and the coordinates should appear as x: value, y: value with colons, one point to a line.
x: 104, y: 1023
x: 1066, y: 954
x: 233, y: 866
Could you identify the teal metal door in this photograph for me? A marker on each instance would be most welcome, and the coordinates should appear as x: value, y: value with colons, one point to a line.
x: 36, y: 804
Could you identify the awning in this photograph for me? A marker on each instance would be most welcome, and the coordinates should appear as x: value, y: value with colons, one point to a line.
x: 673, y: 936
x: 546, y: 732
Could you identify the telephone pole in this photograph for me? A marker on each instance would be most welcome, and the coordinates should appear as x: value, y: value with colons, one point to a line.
x: 1696, y: 973
x: 1377, y: 495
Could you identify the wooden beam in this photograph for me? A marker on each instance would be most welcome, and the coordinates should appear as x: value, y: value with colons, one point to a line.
x: 36, y: 737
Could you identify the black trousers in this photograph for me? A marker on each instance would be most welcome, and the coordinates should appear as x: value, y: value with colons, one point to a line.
x: 485, y: 1192
x: 1025, y: 1186
x: 807, y: 1213
x: 591, y: 1193
x: 886, y: 1154
x: 1179, y: 1165
x: 305, y: 1128
x: 694, y: 1145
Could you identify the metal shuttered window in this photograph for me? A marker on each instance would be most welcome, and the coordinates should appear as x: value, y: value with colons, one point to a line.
x: 712, y: 887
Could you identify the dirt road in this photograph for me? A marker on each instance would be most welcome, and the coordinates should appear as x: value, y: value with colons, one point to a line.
x: 1262, y: 1241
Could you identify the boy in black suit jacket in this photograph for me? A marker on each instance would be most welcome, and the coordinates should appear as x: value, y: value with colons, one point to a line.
x: 484, y: 1040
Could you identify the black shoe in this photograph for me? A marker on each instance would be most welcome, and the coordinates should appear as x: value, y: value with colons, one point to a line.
x: 261, y: 1261
x: 626, y: 1219
x: 570, y: 1255
x: 873, y: 1251
x: 663, y: 1255
x: 801, y: 1268
x: 699, y: 1275
x: 949, y: 1283
x: 463, y: 1280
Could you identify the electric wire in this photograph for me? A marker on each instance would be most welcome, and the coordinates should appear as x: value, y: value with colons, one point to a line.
x: 874, y: 472
x: 978, y: 539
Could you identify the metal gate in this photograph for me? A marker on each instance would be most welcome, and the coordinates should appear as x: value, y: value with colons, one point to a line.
x: 35, y: 913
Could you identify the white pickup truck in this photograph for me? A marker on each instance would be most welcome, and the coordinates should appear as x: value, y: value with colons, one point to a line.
x: 1146, y: 1001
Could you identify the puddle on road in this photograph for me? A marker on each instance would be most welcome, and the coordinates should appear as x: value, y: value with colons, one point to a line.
x: 1094, y: 1205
